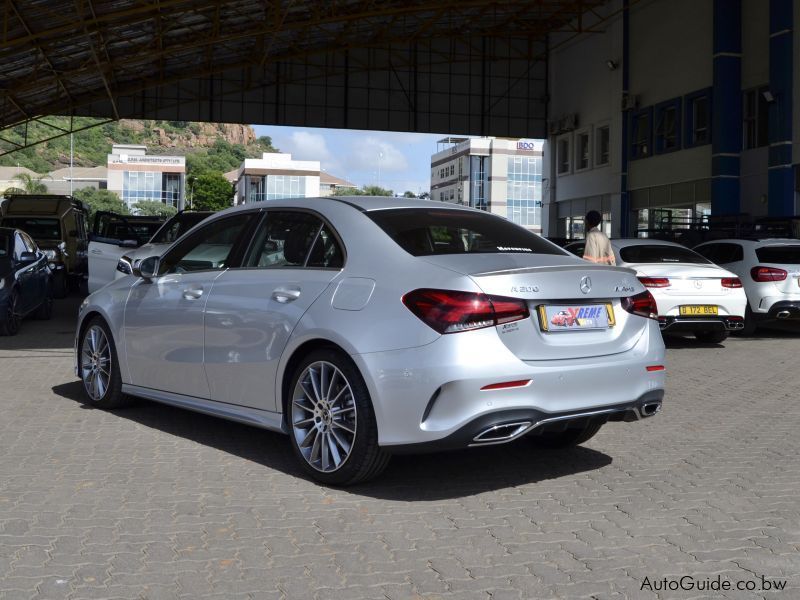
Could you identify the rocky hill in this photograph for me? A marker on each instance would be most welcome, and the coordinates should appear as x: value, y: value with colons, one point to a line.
x: 213, y: 146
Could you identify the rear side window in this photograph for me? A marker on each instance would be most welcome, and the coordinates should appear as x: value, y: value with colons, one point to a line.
x: 782, y: 255
x: 722, y: 253
x: 646, y: 253
x: 425, y: 231
x: 284, y: 239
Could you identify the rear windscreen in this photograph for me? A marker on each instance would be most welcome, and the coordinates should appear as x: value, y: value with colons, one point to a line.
x: 426, y: 231
x: 38, y: 229
x: 660, y: 254
x: 782, y: 255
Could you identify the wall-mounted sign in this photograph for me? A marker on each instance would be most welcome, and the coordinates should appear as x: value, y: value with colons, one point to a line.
x: 528, y: 145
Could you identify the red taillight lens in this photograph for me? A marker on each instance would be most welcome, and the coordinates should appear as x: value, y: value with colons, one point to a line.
x: 654, y: 282
x: 642, y: 304
x: 762, y: 274
x: 449, y: 311
x: 506, y: 384
x: 731, y: 282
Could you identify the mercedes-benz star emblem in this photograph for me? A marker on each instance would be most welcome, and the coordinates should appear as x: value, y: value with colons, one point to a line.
x: 586, y: 284
x: 698, y: 284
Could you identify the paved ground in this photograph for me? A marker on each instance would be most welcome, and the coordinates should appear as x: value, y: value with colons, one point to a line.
x: 153, y: 502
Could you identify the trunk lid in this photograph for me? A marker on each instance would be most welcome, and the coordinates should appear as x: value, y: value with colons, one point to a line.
x: 555, y: 281
x: 687, y: 279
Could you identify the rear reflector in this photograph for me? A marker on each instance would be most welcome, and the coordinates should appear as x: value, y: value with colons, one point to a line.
x: 731, y: 282
x: 507, y: 384
x: 642, y: 304
x: 763, y: 274
x: 449, y: 311
x: 652, y: 368
x: 654, y: 282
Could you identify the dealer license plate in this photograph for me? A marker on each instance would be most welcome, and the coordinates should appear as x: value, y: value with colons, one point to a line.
x: 580, y: 317
x: 698, y: 310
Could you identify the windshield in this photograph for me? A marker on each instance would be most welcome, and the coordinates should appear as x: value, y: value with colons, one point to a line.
x: 658, y: 253
x: 782, y: 255
x: 427, y: 231
x: 176, y: 227
x: 38, y: 229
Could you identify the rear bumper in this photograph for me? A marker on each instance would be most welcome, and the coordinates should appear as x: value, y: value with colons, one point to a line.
x: 509, y: 425
x: 425, y: 394
x: 690, y: 324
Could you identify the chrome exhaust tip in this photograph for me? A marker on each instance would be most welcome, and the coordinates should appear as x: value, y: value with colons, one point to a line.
x: 498, y: 434
x: 784, y: 314
x: 648, y: 409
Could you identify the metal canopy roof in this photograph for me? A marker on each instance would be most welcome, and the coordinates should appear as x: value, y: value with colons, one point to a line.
x: 462, y: 66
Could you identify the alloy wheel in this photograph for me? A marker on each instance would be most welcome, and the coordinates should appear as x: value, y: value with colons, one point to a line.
x: 96, y: 362
x: 324, y: 416
x: 12, y: 316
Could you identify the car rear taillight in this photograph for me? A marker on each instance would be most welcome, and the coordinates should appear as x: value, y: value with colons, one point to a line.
x: 762, y: 274
x: 449, y: 311
x: 731, y: 282
x: 642, y: 304
x: 654, y: 282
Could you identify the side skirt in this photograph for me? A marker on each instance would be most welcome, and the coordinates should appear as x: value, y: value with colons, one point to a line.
x: 241, y: 414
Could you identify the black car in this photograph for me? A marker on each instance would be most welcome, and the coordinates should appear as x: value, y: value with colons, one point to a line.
x: 26, y: 284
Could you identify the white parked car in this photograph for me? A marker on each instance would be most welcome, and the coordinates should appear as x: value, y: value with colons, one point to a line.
x: 770, y: 272
x: 693, y: 295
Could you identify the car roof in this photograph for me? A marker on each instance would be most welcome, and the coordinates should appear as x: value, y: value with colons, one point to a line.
x: 760, y: 241
x: 625, y: 242
x: 370, y: 203
x: 7, y: 230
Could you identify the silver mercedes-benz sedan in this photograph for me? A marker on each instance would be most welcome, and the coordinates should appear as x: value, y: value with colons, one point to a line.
x: 363, y: 327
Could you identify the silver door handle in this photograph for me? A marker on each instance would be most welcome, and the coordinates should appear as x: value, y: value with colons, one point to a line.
x: 284, y: 295
x: 192, y: 293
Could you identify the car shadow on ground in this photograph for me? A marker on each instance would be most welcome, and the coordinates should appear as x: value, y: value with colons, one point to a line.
x: 408, y: 477
x: 785, y: 331
x: 47, y: 338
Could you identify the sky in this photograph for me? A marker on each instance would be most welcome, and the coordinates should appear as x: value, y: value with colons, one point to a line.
x: 404, y: 158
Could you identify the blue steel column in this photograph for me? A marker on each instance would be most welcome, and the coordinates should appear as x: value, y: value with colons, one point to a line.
x: 726, y: 108
x: 625, y: 204
x: 781, y: 174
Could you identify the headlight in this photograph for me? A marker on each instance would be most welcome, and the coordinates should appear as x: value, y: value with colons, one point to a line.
x: 124, y: 265
x: 84, y: 304
x: 51, y: 254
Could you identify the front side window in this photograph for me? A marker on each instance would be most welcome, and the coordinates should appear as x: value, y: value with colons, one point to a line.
x: 19, y: 247
x: 425, y: 232
x: 208, y: 249
x: 176, y: 227
x: 284, y: 239
x: 657, y: 254
x: 5, y: 244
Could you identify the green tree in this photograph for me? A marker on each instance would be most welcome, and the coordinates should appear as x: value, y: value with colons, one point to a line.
x: 374, y: 190
x: 154, y: 209
x: 28, y: 184
x: 347, y: 191
x: 210, y: 191
x: 409, y: 194
x: 100, y: 200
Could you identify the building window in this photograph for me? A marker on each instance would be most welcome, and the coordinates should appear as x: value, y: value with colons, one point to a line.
x: 668, y: 117
x: 141, y: 186
x: 642, y: 133
x: 697, y: 114
x: 755, y: 109
x: 563, y: 155
x: 452, y: 169
x: 479, y: 179
x: 602, y: 140
x: 524, y: 193
x: 582, y: 150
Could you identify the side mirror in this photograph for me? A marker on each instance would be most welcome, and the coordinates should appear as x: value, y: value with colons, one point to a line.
x: 128, y: 244
x: 27, y: 258
x: 148, y: 268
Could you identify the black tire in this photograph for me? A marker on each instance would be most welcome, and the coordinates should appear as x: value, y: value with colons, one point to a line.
x: 10, y: 318
x: 572, y: 436
x: 111, y: 395
x: 750, y: 323
x: 711, y: 336
x: 60, y: 284
x: 311, y: 423
x: 45, y: 310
